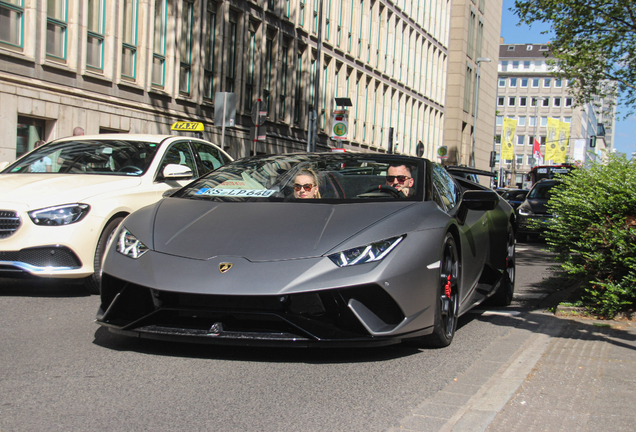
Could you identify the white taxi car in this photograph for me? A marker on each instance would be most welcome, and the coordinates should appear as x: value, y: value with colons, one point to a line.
x: 60, y: 203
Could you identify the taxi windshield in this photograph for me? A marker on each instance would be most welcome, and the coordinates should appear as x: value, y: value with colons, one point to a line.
x: 114, y: 157
x: 314, y: 178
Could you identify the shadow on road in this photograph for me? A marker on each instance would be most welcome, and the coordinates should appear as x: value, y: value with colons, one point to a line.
x: 40, y: 288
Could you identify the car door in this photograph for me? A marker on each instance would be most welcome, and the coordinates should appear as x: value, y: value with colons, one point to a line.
x: 474, y: 238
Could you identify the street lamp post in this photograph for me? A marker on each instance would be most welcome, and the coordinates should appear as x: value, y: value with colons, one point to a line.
x: 472, y: 153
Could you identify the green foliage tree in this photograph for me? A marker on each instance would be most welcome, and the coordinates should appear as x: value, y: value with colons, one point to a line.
x: 593, y: 232
x: 595, y: 44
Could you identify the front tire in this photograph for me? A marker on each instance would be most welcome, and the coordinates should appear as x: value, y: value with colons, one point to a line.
x: 93, y: 282
x: 447, y: 296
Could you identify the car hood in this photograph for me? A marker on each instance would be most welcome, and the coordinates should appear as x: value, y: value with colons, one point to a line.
x: 259, y: 231
x: 41, y: 190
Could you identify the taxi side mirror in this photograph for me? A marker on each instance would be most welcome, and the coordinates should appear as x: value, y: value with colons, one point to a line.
x: 176, y: 172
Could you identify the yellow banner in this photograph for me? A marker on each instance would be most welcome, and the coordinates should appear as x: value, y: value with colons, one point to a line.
x: 507, y: 137
x: 562, y: 145
x: 552, y: 140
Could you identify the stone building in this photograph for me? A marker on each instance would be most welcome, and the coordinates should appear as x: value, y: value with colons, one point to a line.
x: 137, y: 66
x: 529, y: 92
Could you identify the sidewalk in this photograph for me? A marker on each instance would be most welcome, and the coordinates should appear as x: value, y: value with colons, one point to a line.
x: 547, y: 374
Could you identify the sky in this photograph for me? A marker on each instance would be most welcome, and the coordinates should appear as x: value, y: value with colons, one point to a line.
x: 624, y: 130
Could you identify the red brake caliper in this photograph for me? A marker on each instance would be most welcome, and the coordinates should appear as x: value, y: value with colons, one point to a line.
x: 447, y: 287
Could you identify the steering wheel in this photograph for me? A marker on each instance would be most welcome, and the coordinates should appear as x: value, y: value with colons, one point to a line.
x: 384, y: 189
x: 130, y: 169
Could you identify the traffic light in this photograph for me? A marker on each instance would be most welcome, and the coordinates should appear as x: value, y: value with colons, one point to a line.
x: 493, y: 157
x: 593, y: 141
x: 496, y: 179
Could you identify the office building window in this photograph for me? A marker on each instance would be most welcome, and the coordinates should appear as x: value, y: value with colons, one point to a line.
x: 521, y: 139
x: 519, y: 159
x: 230, y: 74
x: 501, y: 101
x: 284, y: 65
x: 502, y: 82
x: 523, y: 101
x: 95, y: 35
x: 159, y: 43
x: 129, y: 40
x: 531, y: 140
x: 185, y: 47
x: 521, y: 121
x: 556, y: 102
x: 512, y: 101
x: 532, y: 121
x: 468, y: 89
x: 56, y: 28
x: 209, y: 44
x: 567, y: 119
x: 298, y: 92
x: 524, y: 82
x: 267, y: 73
x: 526, y: 65
x: 513, y: 82
x: 544, y: 121
x: 545, y: 102
x: 498, y: 139
x: 515, y: 64
x: 499, y: 120
x: 568, y: 102
x: 558, y: 83
x: 504, y: 65
x: 12, y: 22
x: 250, y: 68
x: 547, y: 82
x: 535, y: 82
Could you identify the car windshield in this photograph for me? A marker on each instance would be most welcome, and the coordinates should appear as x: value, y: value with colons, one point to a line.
x: 114, y: 157
x: 312, y: 178
x: 541, y: 191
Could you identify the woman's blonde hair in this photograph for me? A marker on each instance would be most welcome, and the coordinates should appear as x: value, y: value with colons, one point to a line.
x: 310, y: 173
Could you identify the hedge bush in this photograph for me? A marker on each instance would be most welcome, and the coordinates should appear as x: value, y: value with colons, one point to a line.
x: 593, y: 232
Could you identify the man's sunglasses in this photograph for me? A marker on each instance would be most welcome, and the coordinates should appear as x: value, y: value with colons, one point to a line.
x: 401, y: 178
x: 306, y: 186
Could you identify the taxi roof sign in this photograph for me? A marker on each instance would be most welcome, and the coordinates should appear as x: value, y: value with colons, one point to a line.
x: 187, y: 126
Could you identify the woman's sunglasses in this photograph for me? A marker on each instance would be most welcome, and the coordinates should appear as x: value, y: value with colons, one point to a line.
x: 401, y: 178
x: 306, y: 186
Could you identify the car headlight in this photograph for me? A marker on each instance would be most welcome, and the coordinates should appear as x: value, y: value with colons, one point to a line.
x: 372, y: 252
x: 59, y: 215
x: 525, y: 211
x: 129, y: 245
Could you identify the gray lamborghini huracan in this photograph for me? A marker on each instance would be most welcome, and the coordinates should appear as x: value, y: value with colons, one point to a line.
x: 324, y: 249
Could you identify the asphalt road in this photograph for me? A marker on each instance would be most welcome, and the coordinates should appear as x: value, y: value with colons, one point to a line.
x: 61, y: 372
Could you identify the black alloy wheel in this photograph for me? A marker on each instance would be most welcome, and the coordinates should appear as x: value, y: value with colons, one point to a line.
x: 447, y: 304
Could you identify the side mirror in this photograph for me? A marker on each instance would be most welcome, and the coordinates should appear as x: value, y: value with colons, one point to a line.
x: 176, y: 172
x: 476, y: 200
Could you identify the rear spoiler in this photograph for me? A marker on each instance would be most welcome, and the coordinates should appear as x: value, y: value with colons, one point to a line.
x: 467, y: 170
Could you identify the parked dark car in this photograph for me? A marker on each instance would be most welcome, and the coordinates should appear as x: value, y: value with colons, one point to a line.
x: 515, y: 197
x: 534, y: 209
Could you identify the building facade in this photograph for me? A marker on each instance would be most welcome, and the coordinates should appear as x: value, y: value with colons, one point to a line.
x: 137, y: 66
x: 474, y: 49
x: 528, y: 92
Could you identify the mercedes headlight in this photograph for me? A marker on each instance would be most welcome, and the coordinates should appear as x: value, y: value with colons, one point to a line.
x: 129, y: 245
x: 372, y: 252
x: 59, y: 215
x: 525, y: 211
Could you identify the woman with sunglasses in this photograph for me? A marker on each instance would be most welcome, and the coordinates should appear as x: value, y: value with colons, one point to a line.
x: 306, y: 184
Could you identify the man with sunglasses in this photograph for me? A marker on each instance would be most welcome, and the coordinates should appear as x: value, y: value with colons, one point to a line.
x: 400, y: 178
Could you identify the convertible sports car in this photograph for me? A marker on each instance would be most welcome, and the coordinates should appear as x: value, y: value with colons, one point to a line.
x: 388, y: 248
